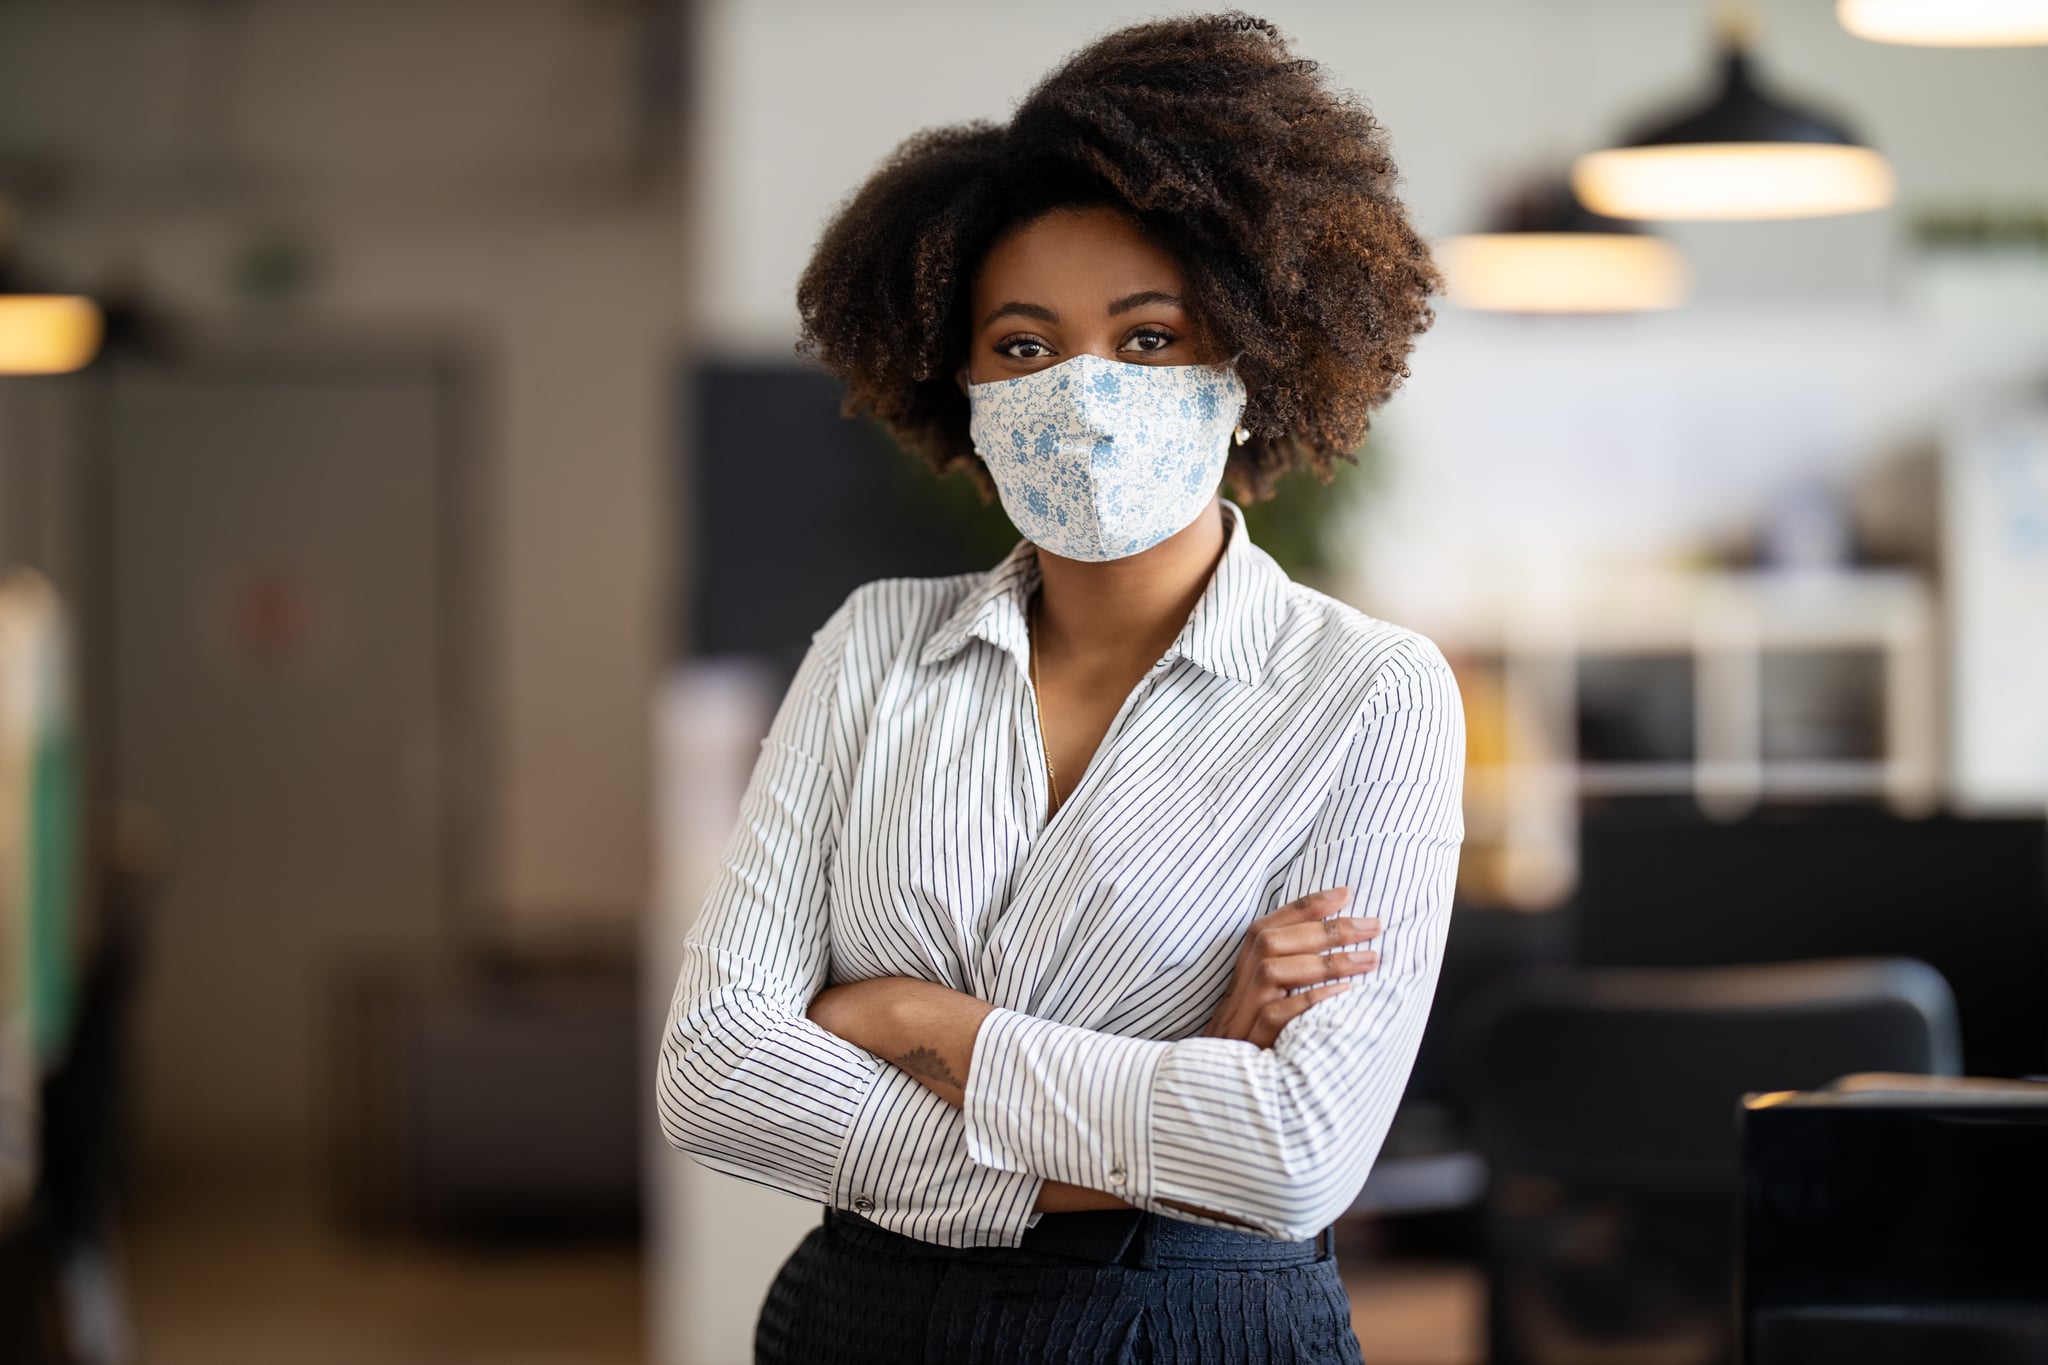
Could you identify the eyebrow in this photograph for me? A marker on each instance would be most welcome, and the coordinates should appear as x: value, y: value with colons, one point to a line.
x: 1141, y: 298
x: 1016, y: 308
x: 1022, y: 310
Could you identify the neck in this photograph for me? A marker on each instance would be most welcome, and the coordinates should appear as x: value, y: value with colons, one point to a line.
x: 1119, y: 610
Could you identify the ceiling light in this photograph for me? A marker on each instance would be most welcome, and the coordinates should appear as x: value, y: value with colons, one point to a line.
x: 47, y: 333
x: 1548, y: 254
x: 1746, y: 154
x: 1947, y: 23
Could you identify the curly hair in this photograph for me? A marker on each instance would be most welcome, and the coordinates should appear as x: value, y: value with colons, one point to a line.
x: 1274, y: 193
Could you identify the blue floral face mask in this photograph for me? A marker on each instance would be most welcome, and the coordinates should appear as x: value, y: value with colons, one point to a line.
x: 1098, y: 459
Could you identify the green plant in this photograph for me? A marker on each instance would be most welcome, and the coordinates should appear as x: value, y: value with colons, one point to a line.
x: 1295, y: 524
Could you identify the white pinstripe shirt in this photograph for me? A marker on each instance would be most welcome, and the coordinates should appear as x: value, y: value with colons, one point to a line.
x: 894, y: 826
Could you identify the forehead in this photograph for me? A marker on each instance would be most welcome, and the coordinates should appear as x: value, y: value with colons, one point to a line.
x: 1076, y: 255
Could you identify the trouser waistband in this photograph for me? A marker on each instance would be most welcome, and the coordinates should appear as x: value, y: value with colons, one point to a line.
x: 1133, y: 1237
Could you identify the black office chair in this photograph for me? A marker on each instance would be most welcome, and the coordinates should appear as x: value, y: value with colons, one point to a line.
x: 1606, y: 1103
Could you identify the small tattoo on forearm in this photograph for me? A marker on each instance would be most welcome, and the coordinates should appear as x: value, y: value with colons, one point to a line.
x: 925, y: 1061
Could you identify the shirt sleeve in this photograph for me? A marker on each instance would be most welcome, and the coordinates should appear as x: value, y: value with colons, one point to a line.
x: 1277, y: 1139
x: 750, y: 1086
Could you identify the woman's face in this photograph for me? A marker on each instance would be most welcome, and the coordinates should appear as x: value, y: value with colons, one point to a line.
x: 1074, y: 281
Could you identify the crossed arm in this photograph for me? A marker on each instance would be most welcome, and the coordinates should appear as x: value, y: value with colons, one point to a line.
x: 930, y: 1030
x: 982, y: 1116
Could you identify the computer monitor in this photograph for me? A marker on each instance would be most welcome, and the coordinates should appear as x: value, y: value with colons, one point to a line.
x: 1895, y: 1227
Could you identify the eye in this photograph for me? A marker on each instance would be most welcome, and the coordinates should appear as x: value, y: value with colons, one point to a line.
x: 1150, y: 339
x: 1034, y: 349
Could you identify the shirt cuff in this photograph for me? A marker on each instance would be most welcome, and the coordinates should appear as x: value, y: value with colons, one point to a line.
x: 905, y: 1167
x: 1068, y: 1103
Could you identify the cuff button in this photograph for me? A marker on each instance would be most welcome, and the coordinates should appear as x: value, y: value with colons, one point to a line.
x: 1116, y: 1175
x: 863, y: 1205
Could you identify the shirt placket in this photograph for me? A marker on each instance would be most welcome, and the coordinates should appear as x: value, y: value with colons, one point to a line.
x: 1044, y: 839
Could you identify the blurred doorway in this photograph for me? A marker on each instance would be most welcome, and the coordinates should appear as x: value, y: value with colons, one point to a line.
x: 282, y: 576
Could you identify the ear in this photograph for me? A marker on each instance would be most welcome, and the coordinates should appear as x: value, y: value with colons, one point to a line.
x: 960, y: 378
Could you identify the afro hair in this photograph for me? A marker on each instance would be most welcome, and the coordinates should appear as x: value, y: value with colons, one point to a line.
x: 1274, y: 192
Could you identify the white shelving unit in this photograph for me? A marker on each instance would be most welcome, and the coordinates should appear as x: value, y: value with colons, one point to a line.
x: 1721, y: 633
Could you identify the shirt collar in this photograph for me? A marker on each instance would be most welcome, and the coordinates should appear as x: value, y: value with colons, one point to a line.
x: 1229, y: 633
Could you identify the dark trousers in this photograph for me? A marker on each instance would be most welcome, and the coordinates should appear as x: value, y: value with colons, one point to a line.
x: 1114, y: 1286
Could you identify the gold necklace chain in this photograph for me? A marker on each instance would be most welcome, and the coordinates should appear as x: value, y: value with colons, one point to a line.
x: 1031, y: 636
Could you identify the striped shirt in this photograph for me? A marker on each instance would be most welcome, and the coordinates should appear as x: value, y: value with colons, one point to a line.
x: 894, y: 825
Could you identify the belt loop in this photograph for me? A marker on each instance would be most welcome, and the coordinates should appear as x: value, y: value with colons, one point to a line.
x: 1328, y: 1237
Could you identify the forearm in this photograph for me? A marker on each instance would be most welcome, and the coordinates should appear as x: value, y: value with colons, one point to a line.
x: 923, y: 1027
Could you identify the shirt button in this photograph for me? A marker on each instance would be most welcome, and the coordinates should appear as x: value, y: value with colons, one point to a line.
x: 863, y: 1205
x: 1116, y: 1175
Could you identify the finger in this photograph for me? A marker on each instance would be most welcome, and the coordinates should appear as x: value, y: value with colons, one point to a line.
x: 1335, y: 932
x: 1275, y: 1016
x: 1305, y: 910
x: 1304, y: 969
x: 1314, y: 905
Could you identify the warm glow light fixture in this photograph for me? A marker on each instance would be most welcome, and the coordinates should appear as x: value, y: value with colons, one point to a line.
x: 41, y: 331
x: 1549, y: 255
x: 1563, y: 272
x: 47, y: 333
x: 1947, y: 23
x: 1746, y: 155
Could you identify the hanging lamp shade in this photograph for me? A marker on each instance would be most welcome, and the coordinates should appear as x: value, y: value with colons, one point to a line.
x: 42, y: 331
x: 1745, y: 155
x: 1947, y: 23
x: 1548, y: 253
x: 47, y: 333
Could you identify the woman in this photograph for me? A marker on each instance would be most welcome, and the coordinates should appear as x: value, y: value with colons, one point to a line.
x: 1078, y: 931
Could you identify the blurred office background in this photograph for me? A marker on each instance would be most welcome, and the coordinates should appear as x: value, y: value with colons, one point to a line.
x: 411, y: 511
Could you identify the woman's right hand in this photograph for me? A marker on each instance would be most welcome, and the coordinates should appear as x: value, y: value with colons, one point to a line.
x: 1286, y: 950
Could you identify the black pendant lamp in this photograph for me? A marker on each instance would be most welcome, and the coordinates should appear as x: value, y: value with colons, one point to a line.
x: 1548, y: 253
x: 1746, y: 154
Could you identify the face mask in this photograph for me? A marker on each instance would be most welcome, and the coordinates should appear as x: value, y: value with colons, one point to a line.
x: 1098, y: 459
